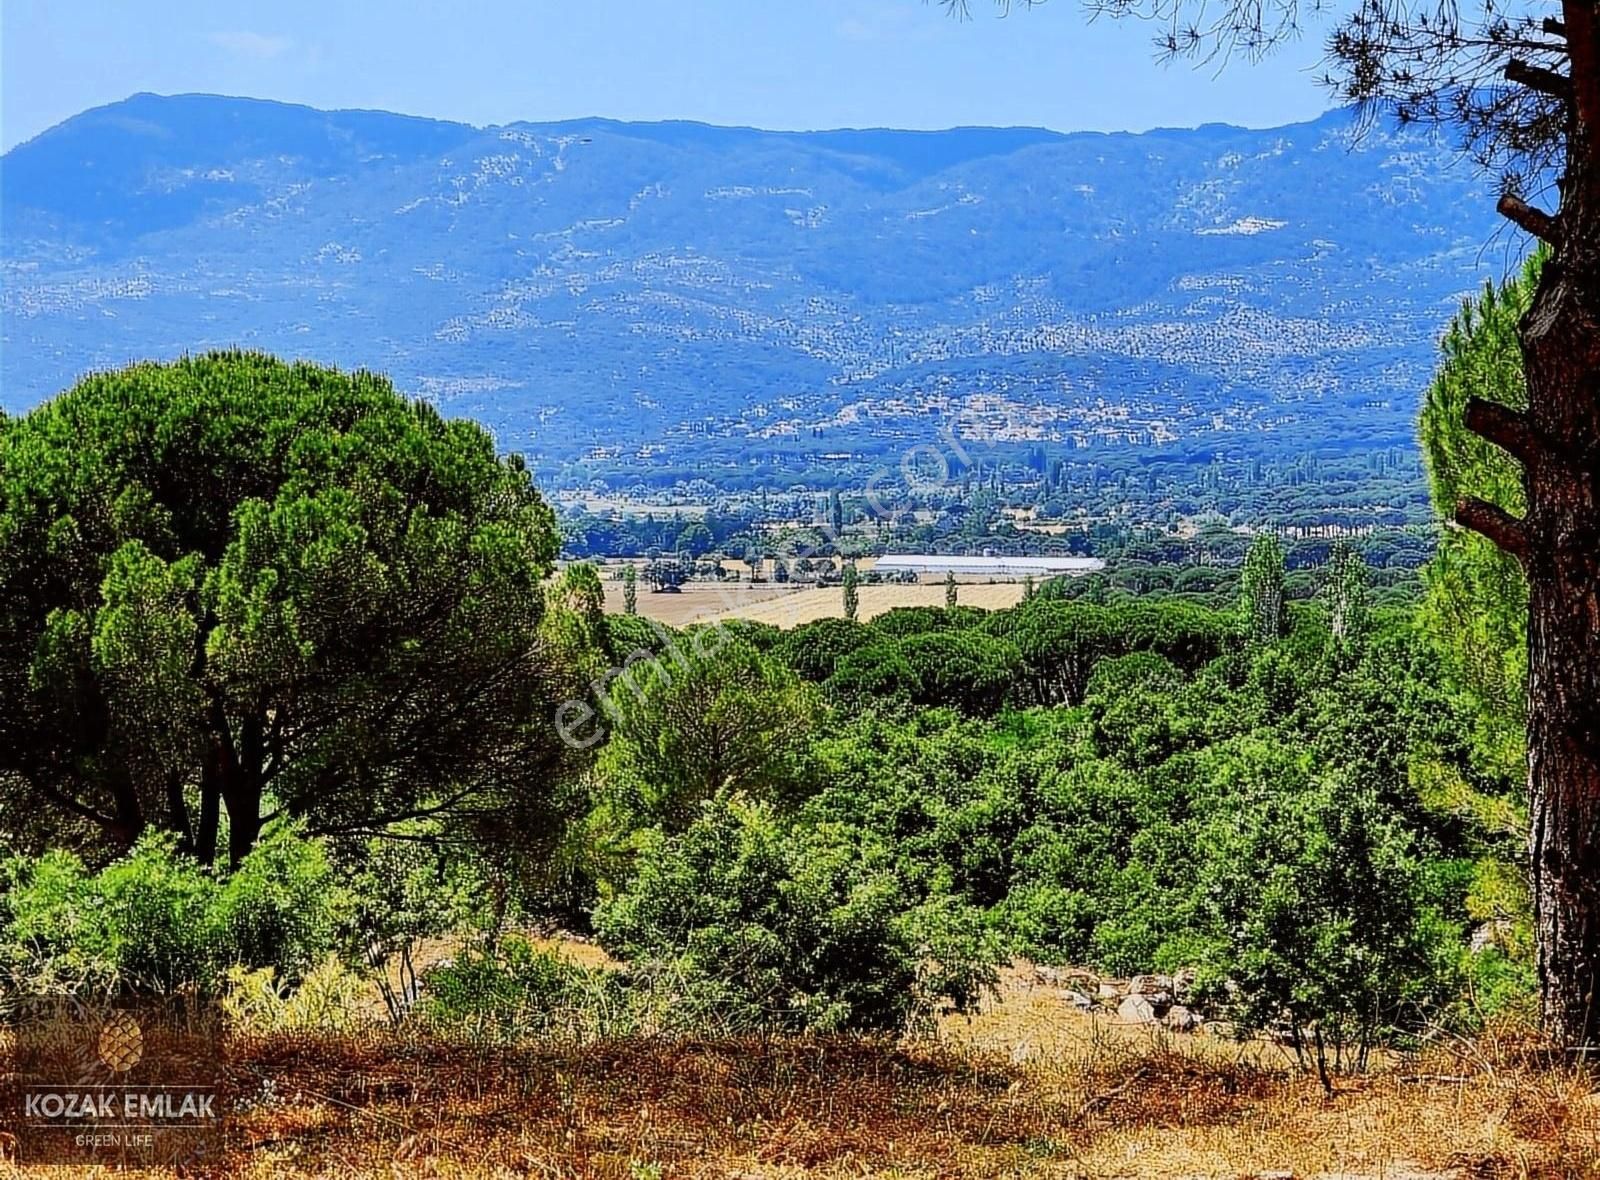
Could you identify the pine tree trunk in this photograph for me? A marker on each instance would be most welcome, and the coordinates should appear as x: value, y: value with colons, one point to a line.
x: 1558, y: 542
x: 1561, y: 348
x: 233, y: 776
x: 205, y: 838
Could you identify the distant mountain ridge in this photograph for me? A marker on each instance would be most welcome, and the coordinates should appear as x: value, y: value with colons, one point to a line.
x: 591, y: 288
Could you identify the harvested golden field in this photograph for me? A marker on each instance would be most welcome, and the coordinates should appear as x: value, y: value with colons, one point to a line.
x: 698, y: 601
x: 827, y: 602
x: 1028, y: 1088
x: 785, y: 607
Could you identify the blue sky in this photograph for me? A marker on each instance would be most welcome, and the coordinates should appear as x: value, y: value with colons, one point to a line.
x: 765, y: 63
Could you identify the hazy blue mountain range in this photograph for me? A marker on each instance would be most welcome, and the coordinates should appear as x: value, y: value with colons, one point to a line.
x: 673, y: 286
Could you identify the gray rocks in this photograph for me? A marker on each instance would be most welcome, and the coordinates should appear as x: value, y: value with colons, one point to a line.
x: 1064, y: 977
x: 1137, y: 1009
x: 1180, y: 1019
x: 1149, y: 985
x: 1165, y: 1000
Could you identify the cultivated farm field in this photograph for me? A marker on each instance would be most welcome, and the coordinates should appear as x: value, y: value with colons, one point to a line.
x: 783, y: 606
x: 698, y: 602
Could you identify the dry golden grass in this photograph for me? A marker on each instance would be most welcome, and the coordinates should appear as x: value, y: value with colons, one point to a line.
x: 848, y: 1107
x: 827, y: 602
x: 1026, y: 1088
x: 1145, y: 1102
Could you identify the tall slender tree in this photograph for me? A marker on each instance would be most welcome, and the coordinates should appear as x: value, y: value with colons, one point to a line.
x: 1345, y: 588
x: 630, y: 590
x: 1263, y: 611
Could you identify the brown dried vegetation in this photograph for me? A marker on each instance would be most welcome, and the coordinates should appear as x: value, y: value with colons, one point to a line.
x: 1027, y: 1088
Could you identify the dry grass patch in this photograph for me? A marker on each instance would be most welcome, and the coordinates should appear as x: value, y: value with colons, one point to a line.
x: 827, y: 602
x: 1128, y: 1106
x: 674, y: 1108
x: 1143, y: 1102
x: 1028, y: 1087
x: 698, y: 601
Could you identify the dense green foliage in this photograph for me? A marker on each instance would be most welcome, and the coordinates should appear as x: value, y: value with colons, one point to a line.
x: 801, y: 925
x: 711, y: 715
x: 232, y: 587
x: 1130, y: 788
x: 154, y: 920
x: 1477, y: 597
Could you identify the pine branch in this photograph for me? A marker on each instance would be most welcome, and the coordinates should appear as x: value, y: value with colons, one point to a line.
x: 1539, y: 78
x: 1535, y: 221
x: 72, y: 804
x: 1506, y: 428
x: 1495, y: 523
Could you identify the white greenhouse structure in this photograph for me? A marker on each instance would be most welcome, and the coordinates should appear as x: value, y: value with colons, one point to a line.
x: 987, y: 566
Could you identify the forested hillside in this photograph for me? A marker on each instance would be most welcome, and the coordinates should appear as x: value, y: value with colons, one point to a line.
x: 275, y: 615
x: 653, y: 303
x: 297, y: 696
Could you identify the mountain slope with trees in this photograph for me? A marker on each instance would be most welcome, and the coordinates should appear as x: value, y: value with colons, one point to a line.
x: 607, y: 285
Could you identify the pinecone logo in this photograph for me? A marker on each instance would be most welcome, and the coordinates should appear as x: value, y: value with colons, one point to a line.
x: 121, y: 1043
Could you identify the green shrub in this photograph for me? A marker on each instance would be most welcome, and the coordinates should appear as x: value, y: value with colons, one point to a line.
x: 513, y: 991
x: 156, y: 921
x: 875, y: 677
x: 282, y: 905
x: 799, y: 927
x: 903, y: 621
x: 712, y: 715
x: 963, y: 670
x: 156, y: 908
x: 764, y: 637
x: 814, y: 649
x: 1499, y: 986
x: 1315, y: 904
x: 55, y: 935
x: 1046, y: 922
x: 627, y: 634
x: 1133, y: 704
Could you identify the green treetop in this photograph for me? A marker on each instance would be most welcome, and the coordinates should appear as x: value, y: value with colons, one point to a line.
x: 1263, y: 613
x: 233, y: 584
